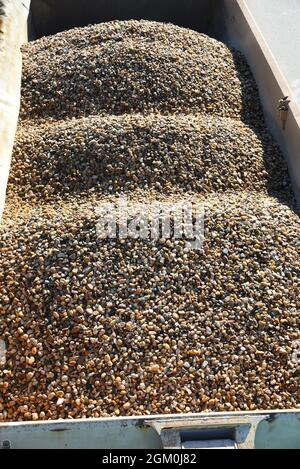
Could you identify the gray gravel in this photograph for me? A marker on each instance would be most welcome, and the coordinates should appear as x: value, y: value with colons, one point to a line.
x: 115, y: 154
x: 135, y: 66
x: 97, y: 327
x: 141, y: 327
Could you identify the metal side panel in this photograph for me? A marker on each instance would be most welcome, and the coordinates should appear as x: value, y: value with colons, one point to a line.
x: 240, y: 429
x: 13, y: 17
x: 242, y: 25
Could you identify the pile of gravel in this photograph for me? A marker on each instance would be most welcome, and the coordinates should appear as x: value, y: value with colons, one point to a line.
x: 96, y: 327
x: 116, y: 154
x: 135, y: 66
x: 100, y: 327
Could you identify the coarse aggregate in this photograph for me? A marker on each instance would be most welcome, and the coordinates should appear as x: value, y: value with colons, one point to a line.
x: 98, y: 327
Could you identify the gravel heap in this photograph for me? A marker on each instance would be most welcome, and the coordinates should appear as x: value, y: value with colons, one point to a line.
x: 115, y: 154
x: 135, y: 66
x: 97, y: 328
x: 101, y: 327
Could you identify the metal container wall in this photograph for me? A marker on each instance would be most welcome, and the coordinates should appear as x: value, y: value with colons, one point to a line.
x: 13, y: 16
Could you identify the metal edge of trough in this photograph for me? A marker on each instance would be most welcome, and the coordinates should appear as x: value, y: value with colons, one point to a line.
x: 242, y: 32
x: 136, y: 426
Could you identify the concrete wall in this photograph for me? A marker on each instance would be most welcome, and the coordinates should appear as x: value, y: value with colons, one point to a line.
x: 279, y: 22
x: 277, y: 429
